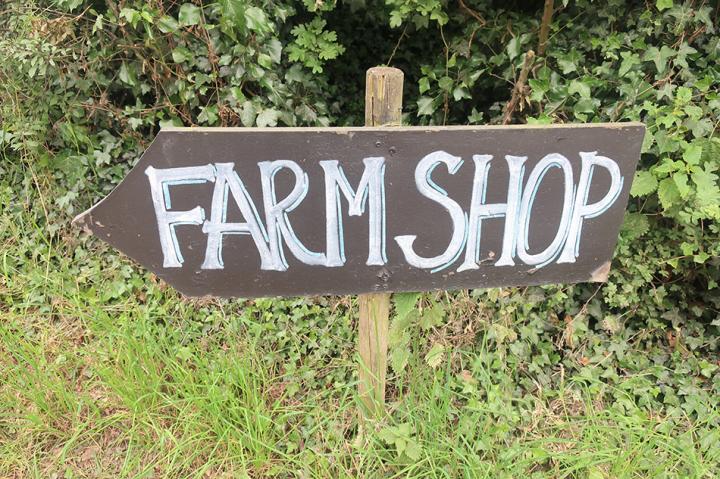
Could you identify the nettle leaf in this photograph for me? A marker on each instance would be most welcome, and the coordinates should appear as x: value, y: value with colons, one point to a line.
x: 435, y: 356
x: 413, y: 450
x: 388, y: 435
x: 681, y: 182
x: 432, y: 316
x: 707, y: 189
x: 399, y: 358
x: 668, y: 193
x: 189, y: 14
x: 643, y: 184
x: 404, y: 303
x: 634, y: 226
x: 693, y: 154
x: 683, y: 95
x: 399, y: 334
x: 667, y: 165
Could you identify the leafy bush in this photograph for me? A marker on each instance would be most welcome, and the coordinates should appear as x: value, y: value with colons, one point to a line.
x: 87, y: 84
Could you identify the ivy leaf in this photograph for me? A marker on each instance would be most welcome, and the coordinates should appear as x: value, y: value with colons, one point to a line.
x: 659, y: 57
x: 439, y: 16
x: 167, y: 24
x: 701, y: 257
x: 189, y: 15
x: 171, y: 122
x: 181, y: 54
x: 461, y: 92
x: 435, y: 356
x: 643, y: 184
x: 131, y: 15
x: 424, y: 85
x: 668, y: 193
x: 513, y: 48
x: 127, y: 74
x: 629, y: 60
x: 568, y: 63
x: 208, y: 115
x: 445, y: 83
x: 256, y: 19
x: 425, y: 106
x: 233, y: 11
x: 247, y: 116
x: 268, y: 117
x: 275, y: 50
x: 584, y: 105
x: 663, y: 4
x: 264, y: 60
x: 579, y: 87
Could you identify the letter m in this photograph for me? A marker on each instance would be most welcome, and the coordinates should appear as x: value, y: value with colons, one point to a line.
x: 372, y: 186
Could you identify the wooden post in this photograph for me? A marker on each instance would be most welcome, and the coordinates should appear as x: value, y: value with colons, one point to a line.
x: 383, y: 107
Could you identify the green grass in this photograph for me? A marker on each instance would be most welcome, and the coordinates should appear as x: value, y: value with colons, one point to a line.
x: 93, y: 392
x: 104, y: 372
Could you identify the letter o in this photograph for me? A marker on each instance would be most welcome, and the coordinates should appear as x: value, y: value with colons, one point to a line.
x: 553, y: 160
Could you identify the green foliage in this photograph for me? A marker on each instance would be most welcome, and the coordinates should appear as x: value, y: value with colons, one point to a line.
x: 313, y: 46
x: 420, y: 12
x: 402, y: 439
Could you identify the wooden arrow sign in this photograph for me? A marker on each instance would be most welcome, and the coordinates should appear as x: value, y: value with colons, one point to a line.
x: 304, y: 211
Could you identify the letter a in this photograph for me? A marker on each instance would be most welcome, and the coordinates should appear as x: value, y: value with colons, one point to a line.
x: 229, y: 182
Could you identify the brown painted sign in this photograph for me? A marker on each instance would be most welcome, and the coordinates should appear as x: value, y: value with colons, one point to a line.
x: 298, y: 211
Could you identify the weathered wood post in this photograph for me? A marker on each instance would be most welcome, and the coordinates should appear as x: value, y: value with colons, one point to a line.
x: 383, y: 107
